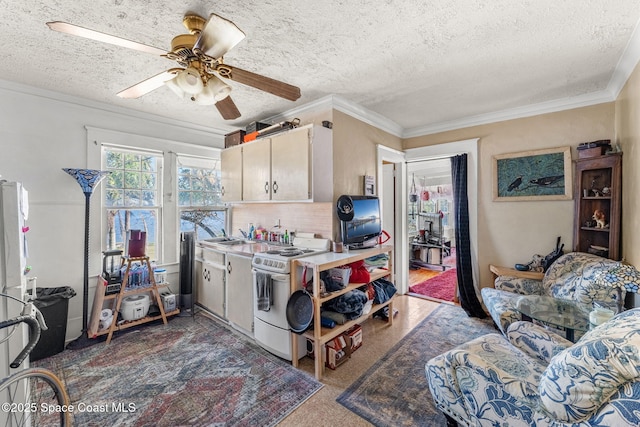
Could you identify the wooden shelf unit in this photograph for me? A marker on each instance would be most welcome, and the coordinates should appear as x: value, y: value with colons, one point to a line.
x: 322, y: 262
x: 152, y: 288
x: 597, y: 173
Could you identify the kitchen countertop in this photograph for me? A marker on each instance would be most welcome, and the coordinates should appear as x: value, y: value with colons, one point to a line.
x: 332, y: 259
x: 248, y: 248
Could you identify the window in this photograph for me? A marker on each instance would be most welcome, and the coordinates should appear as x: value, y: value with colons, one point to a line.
x: 200, y: 198
x: 133, y: 198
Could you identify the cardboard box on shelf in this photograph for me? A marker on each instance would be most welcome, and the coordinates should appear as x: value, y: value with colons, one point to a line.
x: 234, y: 138
x: 337, y: 352
x: 354, y: 337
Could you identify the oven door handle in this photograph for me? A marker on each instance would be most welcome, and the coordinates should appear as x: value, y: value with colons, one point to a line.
x: 278, y: 277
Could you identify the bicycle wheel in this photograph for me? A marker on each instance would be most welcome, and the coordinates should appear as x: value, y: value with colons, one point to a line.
x: 34, y: 397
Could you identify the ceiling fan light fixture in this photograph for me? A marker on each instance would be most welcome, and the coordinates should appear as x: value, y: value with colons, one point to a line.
x: 189, y: 81
x: 219, y: 88
x: 206, y: 97
x: 175, y: 88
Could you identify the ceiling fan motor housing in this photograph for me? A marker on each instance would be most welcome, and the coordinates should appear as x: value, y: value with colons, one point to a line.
x: 181, y: 48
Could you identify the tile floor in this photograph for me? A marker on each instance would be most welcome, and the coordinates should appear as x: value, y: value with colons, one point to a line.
x: 322, y: 409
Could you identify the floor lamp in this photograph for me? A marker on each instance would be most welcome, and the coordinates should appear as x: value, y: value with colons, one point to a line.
x: 88, y: 179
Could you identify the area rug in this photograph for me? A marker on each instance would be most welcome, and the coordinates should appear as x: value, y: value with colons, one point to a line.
x: 394, y: 391
x: 191, y: 372
x: 442, y: 286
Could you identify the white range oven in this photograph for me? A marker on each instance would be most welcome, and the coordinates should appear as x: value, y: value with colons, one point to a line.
x: 271, y: 291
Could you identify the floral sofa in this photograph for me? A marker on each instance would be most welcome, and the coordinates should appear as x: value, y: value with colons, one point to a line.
x: 576, y: 276
x: 533, y: 377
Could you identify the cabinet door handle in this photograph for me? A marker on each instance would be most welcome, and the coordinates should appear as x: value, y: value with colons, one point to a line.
x: 275, y: 187
x: 266, y: 187
x: 229, y: 267
x: 222, y: 190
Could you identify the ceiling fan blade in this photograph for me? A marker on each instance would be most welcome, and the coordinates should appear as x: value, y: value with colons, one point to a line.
x: 228, y: 109
x: 258, y: 81
x: 65, y: 27
x: 218, y: 37
x: 146, y: 86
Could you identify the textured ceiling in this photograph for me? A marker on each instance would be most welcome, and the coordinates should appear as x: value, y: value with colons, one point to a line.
x: 417, y: 63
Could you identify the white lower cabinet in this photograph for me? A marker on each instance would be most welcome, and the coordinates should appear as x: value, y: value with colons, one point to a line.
x: 240, y: 293
x: 210, y: 282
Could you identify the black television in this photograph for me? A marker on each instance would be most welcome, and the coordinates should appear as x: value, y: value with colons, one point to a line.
x: 362, y: 231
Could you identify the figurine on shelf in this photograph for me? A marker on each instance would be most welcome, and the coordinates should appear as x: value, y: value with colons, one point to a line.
x: 600, y: 219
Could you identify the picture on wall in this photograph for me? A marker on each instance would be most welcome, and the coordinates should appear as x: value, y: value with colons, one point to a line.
x: 533, y: 175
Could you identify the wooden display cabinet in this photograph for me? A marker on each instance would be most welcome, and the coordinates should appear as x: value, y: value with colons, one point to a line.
x: 598, y: 186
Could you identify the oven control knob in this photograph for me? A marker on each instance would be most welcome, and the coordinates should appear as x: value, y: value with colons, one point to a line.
x: 258, y: 261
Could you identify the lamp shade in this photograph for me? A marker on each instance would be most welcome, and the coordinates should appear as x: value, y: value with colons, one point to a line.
x: 214, y: 90
x: 622, y: 276
x: 206, y: 97
x: 87, y: 178
x: 219, y: 88
x: 171, y: 84
x: 189, y: 81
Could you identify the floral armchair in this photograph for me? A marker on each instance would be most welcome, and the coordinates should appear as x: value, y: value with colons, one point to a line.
x: 576, y: 276
x: 533, y: 377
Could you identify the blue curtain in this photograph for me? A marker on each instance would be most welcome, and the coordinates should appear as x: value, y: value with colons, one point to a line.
x: 468, y: 299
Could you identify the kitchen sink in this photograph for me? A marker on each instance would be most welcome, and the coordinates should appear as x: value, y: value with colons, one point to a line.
x: 232, y: 242
x: 225, y: 240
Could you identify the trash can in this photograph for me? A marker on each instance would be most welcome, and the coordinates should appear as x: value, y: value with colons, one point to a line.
x: 54, y: 305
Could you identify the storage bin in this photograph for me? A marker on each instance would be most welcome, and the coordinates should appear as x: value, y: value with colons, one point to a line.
x: 234, y: 138
x: 160, y: 275
x: 340, y: 274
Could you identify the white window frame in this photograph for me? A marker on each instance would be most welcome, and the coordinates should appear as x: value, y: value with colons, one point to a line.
x: 158, y: 207
x: 183, y: 160
x: 96, y: 138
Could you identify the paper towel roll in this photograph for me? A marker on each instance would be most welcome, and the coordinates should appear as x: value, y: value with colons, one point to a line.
x: 106, y: 314
x: 104, y: 324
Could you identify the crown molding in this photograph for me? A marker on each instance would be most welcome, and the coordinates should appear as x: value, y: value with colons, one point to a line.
x: 514, y: 113
x: 102, y: 106
x: 343, y: 105
x: 367, y: 116
x: 627, y: 63
x: 323, y: 103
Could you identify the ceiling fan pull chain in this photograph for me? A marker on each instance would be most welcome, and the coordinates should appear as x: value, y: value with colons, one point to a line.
x: 266, y: 187
x: 275, y: 187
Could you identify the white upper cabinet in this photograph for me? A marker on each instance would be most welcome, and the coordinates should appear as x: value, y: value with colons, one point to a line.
x: 256, y: 171
x: 291, y: 166
x: 295, y: 165
x: 231, y: 173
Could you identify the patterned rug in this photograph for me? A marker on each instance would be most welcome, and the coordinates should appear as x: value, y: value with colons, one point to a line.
x: 442, y: 286
x: 192, y: 372
x: 394, y: 391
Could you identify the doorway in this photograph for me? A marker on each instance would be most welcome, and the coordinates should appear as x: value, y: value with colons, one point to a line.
x: 431, y: 230
x: 398, y: 198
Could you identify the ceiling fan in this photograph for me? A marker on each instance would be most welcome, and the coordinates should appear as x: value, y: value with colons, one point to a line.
x: 199, y: 55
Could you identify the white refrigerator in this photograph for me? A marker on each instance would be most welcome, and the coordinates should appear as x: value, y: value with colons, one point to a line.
x: 14, y: 212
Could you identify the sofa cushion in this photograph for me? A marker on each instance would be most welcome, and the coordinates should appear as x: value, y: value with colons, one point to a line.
x: 519, y: 285
x: 573, y: 274
x: 583, y: 378
x: 501, y: 307
x: 487, y: 378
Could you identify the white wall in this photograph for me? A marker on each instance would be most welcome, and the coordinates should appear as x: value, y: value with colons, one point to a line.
x: 42, y: 132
